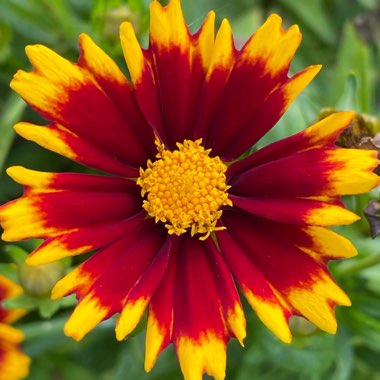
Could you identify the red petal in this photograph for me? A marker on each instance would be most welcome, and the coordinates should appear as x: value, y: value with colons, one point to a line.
x: 221, y: 65
x: 142, y: 74
x: 170, y: 47
x: 160, y: 317
x: 296, y: 210
x: 84, y: 239
x: 108, y: 277
x: 142, y: 292
x: 73, y: 96
x: 54, y: 204
x: 324, y: 133
x: 233, y: 142
x: 258, y: 90
x: 302, y: 281
x: 199, y: 331
x: 268, y: 304
x: 60, y: 140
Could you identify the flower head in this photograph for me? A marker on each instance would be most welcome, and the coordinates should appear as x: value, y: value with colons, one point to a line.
x: 14, y: 365
x: 181, y: 219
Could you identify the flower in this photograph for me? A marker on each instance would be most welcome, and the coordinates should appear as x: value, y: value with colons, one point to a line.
x: 14, y: 364
x: 182, y: 217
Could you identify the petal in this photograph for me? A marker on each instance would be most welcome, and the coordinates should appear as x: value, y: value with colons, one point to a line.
x: 160, y: 316
x: 107, y: 287
x: 296, y: 211
x: 10, y: 334
x: 268, y: 114
x: 80, y: 279
x: 326, y: 245
x: 206, y: 354
x: 14, y: 364
x: 82, y: 240
x: 303, y: 282
x: 180, y: 62
x: 200, y: 331
x: 203, y: 42
x: 229, y: 298
x: 170, y: 46
x: 322, y: 134
x: 83, y: 200
x: 222, y: 62
x: 167, y: 26
x: 201, y: 50
x: 9, y: 289
x: 142, y: 292
x: 269, y: 306
x: 60, y: 140
x: 142, y: 75
x: 258, y: 90
x: 87, y: 103
x: 315, y: 172
x: 115, y: 85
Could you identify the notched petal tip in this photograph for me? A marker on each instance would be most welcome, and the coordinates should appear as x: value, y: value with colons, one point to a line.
x: 167, y: 25
x: 317, y: 301
x: 206, y: 355
x: 274, y: 19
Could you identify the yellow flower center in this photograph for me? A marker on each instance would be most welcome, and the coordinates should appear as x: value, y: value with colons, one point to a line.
x: 185, y: 188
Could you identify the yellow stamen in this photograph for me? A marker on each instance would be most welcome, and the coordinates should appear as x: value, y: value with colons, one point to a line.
x: 185, y: 188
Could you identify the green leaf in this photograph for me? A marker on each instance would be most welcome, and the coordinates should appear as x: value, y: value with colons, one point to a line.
x: 10, y: 114
x: 47, y: 307
x: 353, y: 59
x: 5, y: 42
x: 17, y: 254
x: 344, y: 361
x: 23, y: 301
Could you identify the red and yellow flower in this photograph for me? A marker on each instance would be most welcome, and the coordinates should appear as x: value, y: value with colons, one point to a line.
x: 14, y: 364
x: 182, y: 219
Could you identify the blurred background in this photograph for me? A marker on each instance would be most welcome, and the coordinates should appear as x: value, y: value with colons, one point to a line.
x: 343, y: 35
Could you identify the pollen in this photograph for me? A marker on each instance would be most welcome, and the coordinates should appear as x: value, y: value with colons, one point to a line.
x: 185, y: 189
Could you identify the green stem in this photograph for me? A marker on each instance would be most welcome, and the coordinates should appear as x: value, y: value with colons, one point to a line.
x: 358, y: 265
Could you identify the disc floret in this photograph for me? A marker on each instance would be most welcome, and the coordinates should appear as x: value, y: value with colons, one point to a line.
x: 185, y: 188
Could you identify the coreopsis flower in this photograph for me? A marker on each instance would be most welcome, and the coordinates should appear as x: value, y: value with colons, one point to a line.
x: 181, y: 218
x: 14, y: 364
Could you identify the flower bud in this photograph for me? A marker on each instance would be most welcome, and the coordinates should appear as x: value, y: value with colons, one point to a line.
x: 301, y: 326
x: 39, y: 280
x: 115, y: 16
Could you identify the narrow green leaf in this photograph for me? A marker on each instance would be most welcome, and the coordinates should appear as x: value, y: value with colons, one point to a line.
x: 353, y: 59
x: 10, y: 114
x: 23, y: 301
x: 345, y: 356
x: 9, y: 271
